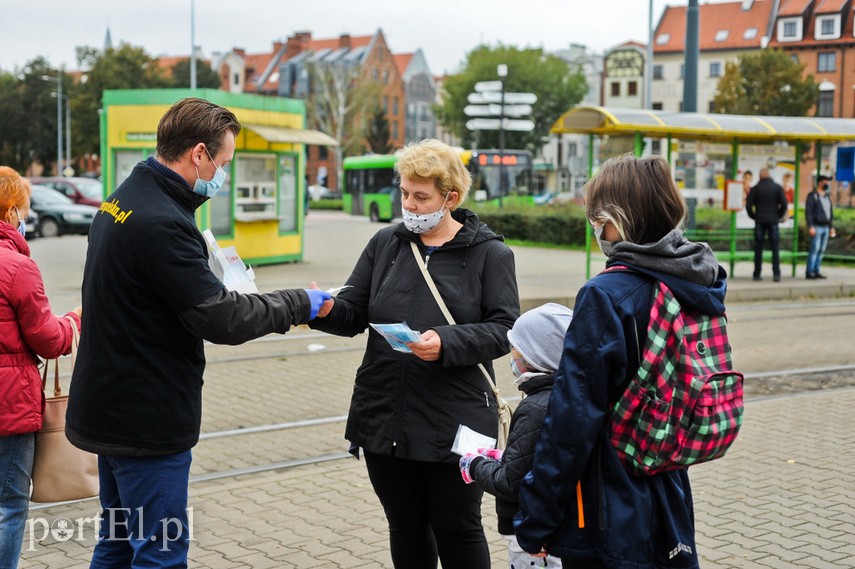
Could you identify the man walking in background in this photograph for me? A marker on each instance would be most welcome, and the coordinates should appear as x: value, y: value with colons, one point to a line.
x: 766, y: 205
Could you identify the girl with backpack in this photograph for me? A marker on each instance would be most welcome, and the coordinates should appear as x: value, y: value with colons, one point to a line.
x: 580, y: 501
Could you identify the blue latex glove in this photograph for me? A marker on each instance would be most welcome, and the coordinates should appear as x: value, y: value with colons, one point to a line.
x: 317, y: 297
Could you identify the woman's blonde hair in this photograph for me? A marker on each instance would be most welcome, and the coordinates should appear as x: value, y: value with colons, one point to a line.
x: 437, y: 162
x: 638, y: 196
x: 14, y: 190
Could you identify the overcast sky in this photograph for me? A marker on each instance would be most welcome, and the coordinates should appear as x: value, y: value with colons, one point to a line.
x: 445, y: 30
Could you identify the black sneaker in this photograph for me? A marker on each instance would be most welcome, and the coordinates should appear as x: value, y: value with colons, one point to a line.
x: 810, y: 276
x: 777, y: 278
x: 820, y: 276
x: 756, y: 278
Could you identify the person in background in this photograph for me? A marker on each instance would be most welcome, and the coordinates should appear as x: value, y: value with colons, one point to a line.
x: 406, y: 407
x: 579, y: 502
x: 766, y: 205
x: 537, y: 342
x: 307, y: 196
x: 819, y: 218
x: 151, y: 299
x: 28, y: 330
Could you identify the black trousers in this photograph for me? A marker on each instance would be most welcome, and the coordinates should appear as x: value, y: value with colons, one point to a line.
x: 431, y: 513
x: 760, y: 231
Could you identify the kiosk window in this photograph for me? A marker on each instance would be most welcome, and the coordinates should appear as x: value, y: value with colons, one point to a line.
x: 287, y: 193
x: 255, y: 187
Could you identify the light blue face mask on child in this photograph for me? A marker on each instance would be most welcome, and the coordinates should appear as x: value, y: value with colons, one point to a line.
x: 209, y: 188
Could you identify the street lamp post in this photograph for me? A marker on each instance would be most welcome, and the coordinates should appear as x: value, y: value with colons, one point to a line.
x: 192, y: 44
x: 68, y: 131
x: 59, y: 95
x: 502, y: 71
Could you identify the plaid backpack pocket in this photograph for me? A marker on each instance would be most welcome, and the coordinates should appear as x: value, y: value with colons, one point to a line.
x: 685, y: 403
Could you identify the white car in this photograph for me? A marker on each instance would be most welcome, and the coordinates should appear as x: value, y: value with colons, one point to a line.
x: 317, y: 192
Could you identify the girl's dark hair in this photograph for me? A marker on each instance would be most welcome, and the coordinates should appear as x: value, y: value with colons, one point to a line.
x: 638, y: 196
x: 189, y: 122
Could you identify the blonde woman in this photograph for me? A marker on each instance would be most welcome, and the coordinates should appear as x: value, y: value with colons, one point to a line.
x: 406, y: 407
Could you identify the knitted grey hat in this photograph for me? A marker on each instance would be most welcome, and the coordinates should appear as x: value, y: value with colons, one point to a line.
x: 538, y: 335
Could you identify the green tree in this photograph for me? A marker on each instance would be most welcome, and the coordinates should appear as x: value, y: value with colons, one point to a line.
x: 378, y: 133
x: 127, y: 67
x: 530, y: 70
x: 206, y: 77
x: 767, y: 82
x: 28, y: 110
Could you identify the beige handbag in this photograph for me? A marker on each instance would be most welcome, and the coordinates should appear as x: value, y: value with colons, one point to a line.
x: 61, y: 471
x: 504, y: 410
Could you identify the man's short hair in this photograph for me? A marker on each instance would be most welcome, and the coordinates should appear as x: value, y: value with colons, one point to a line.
x: 189, y: 122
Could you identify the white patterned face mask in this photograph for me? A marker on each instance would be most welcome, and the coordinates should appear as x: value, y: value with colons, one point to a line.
x: 423, y: 222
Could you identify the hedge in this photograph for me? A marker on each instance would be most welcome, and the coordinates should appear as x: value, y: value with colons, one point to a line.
x: 564, y: 225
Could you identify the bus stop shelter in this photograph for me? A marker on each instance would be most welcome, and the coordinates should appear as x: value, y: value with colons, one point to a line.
x: 732, y: 129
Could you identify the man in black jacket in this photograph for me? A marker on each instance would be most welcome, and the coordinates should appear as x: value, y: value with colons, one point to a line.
x: 819, y: 215
x: 151, y: 298
x: 766, y: 205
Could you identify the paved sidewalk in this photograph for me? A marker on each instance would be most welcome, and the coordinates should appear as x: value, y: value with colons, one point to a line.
x: 783, y: 497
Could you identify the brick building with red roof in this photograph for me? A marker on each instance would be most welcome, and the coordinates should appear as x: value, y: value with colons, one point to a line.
x: 726, y: 30
x: 819, y: 33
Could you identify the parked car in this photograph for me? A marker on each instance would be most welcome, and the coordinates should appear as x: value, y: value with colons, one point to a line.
x: 86, y: 191
x: 32, y: 222
x: 58, y: 215
x: 323, y: 193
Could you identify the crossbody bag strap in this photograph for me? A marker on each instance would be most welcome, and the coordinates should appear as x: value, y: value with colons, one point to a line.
x: 440, y: 301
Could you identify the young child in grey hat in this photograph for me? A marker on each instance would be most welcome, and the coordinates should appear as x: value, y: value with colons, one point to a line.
x: 537, y: 342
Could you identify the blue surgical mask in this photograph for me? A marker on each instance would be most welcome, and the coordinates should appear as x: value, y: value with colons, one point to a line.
x: 22, y: 224
x: 209, y: 188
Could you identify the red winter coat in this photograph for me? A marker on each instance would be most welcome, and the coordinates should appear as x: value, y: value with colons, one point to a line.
x: 27, y: 328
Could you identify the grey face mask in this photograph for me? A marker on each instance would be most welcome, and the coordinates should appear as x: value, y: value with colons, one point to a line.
x: 605, y: 246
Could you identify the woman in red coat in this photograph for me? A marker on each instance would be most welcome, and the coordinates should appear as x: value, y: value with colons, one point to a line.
x: 28, y: 329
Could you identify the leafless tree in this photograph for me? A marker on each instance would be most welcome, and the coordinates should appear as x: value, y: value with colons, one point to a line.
x: 341, y: 95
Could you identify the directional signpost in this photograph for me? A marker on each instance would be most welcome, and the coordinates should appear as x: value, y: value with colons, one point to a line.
x: 492, y: 109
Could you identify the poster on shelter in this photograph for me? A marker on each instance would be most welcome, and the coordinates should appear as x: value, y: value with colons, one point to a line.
x: 780, y: 161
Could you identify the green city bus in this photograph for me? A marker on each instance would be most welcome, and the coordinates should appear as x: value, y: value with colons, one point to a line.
x: 506, y: 174
x: 371, y: 187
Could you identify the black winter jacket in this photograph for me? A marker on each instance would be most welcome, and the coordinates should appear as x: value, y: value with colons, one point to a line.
x: 766, y: 202
x: 404, y: 406
x: 502, y: 478
x: 150, y: 300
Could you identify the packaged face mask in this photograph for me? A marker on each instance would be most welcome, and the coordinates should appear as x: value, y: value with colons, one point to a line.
x: 468, y: 441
